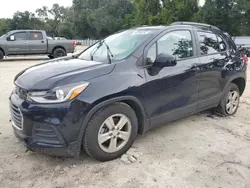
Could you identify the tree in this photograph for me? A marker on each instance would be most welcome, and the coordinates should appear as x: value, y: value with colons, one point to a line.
x: 96, y: 18
x: 25, y: 20
x: 99, y: 18
x: 4, y: 26
x: 146, y: 11
x: 178, y: 10
x: 42, y: 13
x: 225, y: 14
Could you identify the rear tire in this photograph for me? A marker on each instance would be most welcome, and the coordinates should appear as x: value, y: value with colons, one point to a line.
x: 1, y: 55
x: 111, y: 132
x: 59, y: 52
x: 231, y: 100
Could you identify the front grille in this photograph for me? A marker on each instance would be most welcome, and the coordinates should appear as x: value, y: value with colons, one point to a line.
x: 16, y: 117
x: 21, y: 93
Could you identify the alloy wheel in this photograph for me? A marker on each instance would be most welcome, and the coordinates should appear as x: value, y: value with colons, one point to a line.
x: 114, y: 133
x: 232, y: 102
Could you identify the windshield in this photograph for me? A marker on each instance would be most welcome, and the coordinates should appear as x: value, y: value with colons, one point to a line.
x: 120, y: 44
x: 2, y: 36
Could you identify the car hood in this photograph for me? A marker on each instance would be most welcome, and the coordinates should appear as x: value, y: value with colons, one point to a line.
x: 59, y: 72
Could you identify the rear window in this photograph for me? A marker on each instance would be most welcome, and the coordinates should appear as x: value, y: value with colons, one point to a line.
x: 36, y: 35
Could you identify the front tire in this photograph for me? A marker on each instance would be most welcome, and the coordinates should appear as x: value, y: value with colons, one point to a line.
x: 231, y: 100
x: 110, y: 132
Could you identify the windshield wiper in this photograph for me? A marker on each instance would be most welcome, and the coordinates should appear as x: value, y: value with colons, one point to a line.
x: 94, y: 51
x: 109, y: 53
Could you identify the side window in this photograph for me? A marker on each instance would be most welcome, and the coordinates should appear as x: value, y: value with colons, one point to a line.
x: 208, y: 43
x: 222, y: 44
x: 177, y: 43
x: 36, y: 36
x: 20, y: 36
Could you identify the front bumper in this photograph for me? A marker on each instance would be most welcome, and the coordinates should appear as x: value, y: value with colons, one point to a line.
x: 52, y: 129
x: 71, y: 150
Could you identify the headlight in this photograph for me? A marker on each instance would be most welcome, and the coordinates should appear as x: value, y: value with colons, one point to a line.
x: 58, y: 94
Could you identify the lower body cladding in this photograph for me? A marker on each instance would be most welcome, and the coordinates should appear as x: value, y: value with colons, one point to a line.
x: 52, y: 129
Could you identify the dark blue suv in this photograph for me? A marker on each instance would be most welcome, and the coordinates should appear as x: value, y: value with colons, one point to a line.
x: 124, y: 85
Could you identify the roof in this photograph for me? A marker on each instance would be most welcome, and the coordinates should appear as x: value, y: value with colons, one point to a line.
x: 195, y: 24
x: 26, y: 30
x: 178, y: 24
x: 159, y: 27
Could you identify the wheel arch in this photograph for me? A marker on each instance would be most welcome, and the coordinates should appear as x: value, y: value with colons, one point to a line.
x: 239, y: 80
x: 241, y: 83
x: 1, y: 49
x: 133, y: 102
x: 58, y: 46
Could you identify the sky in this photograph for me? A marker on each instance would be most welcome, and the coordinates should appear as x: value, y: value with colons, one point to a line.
x: 202, y: 2
x: 9, y: 7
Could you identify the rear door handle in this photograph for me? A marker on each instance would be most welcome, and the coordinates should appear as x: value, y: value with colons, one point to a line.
x: 25, y: 42
x: 42, y: 41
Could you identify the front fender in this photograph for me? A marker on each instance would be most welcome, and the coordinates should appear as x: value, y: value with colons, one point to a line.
x: 145, y: 122
x: 3, y: 49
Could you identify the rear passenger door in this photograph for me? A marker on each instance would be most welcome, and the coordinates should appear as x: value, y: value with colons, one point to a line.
x: 213, y: 57
x: 37, y: 43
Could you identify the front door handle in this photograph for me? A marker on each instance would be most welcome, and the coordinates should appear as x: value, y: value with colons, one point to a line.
x: 25, y: 42
x: 42, y: 41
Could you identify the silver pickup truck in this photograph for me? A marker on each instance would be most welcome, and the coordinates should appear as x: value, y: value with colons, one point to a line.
x: 33, y: 42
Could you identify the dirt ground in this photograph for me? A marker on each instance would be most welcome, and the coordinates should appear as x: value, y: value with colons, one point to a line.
x: 202, y: 150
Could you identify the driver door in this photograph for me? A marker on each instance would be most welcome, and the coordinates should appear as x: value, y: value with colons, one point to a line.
x: 172, y: 92
x: 17, y: 43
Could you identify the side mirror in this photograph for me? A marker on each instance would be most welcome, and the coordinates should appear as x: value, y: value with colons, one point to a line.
x: 165, y: 60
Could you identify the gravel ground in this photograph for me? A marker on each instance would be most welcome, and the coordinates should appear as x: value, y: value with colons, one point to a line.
x: 202, y: 150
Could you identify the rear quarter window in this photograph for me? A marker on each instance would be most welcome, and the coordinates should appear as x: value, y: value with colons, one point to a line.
x: 222, y: 43
x: 208, y: 43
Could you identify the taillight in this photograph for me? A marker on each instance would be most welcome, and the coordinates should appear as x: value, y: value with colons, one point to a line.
x: 245, y: 59
x: 73, y: 43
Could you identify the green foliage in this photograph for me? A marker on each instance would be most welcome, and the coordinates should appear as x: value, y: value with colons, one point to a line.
x: 4, y: 26
x: 99, y: 18
x: 25, y: 20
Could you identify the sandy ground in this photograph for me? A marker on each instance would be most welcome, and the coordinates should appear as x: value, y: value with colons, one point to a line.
x: 202, y: 150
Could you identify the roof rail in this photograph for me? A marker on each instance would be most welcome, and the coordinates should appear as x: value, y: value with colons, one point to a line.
x: 195, y: 24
